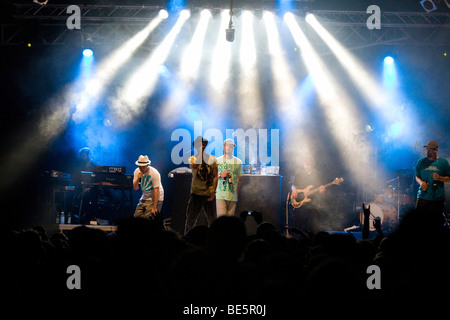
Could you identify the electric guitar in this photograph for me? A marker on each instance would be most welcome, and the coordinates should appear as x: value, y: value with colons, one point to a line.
x: 302, y: 195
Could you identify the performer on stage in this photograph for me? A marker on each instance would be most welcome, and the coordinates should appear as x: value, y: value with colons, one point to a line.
x: 431, y: 173
x: 203, y: 187
x: 86, y: 163
x: 90, y: 195
x: 230, y: 173
x: 307, y: 216
x: 149, y: 179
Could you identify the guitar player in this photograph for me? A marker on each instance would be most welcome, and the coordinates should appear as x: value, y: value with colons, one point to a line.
x: 307, y: 217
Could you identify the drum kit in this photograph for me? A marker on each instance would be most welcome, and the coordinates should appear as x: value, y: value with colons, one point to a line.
x: 396, y: 198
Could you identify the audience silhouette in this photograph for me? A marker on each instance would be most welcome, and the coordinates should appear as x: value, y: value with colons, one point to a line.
x: 144, y: 264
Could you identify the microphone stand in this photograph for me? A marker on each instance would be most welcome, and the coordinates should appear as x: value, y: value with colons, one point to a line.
x: 230, y: 31
x: 230, y: 23
x: 398, y: 200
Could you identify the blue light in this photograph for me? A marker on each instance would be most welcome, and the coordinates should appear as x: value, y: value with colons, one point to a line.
x: 284, y: 5
x: 389, y: 72
x: 389, y: 60
x: 87, y: 53
x: 395, y: 129
x: 162, y: 70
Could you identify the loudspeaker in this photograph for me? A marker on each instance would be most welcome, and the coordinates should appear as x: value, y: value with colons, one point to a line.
x: 262, y: 193
x: 181, y: 185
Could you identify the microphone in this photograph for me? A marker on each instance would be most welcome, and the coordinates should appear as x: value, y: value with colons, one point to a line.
x: 230, y: 31
x: 230, y: 34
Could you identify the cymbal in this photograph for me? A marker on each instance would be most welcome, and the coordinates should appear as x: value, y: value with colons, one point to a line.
x: 392, y: 180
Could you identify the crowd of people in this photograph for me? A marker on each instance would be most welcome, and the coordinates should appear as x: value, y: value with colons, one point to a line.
x: 144, y: 264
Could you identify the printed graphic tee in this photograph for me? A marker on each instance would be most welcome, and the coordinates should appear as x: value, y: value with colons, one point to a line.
x: 424, y: 170
x: 228, y: 191
x: 149, y: 181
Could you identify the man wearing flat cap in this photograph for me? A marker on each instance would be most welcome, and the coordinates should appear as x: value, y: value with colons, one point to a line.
x: 149, y: 179
x: 431, y: 173
x: 203, y: 186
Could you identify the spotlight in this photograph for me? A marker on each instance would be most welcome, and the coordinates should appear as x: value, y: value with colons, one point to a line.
x: 309, y: 17
x: 185, y: 13
x: 162, y: 70
x: 288, y: 16
x: 87, y: 53
x: 389, y: 60
x: 428, y: 5
x: 206, y: 13
x: 163, y: 14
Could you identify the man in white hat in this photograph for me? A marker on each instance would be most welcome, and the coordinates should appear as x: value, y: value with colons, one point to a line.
x: 149, y: 179
x: 230, y: 174
x: 431, y: 173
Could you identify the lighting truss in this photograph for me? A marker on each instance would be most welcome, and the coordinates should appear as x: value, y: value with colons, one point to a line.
x: 109, y: 23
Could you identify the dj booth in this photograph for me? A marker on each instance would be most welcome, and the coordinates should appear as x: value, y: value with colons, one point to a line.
x: 261, y: 193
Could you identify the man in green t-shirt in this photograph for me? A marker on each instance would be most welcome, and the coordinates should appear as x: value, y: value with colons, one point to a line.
x: 431, y: 173
x: 230, y: 173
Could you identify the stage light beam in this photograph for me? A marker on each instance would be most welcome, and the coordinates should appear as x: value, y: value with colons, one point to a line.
x: 130, y: 100
x: 340, y: 112
x: 249, y: 96
x: 193, y: 53
x: 284, y: 82
x: 220, y: 65
x: 93, y: 87
x: 365, y: 82
x: 389, y: 73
